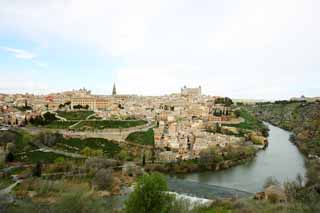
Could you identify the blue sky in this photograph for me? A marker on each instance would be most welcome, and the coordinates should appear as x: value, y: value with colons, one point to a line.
x: 263, y: 49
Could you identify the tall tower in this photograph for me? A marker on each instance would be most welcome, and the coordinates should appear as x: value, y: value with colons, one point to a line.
x: 114, y: 91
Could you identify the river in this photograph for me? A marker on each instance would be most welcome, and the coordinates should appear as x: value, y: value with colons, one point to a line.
x: 281, y: 160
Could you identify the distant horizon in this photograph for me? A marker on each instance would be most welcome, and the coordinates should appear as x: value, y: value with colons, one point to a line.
x: 172, y: 93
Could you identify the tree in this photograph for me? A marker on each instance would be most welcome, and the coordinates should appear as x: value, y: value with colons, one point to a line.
x: 149, y: 195
x: 59, y: 160
x: 11, y: 147
x: 153, y: 154
x: 88, y: 152
x: 9, y: 157
x: 143, y: 159
x: 103, y: 179
x: 37, y: 170
x: 237, y: 113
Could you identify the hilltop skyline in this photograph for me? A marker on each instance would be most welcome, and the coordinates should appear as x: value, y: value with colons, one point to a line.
x: 240, y: 49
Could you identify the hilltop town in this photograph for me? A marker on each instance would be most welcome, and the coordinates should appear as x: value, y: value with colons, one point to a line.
x: 184, y: 124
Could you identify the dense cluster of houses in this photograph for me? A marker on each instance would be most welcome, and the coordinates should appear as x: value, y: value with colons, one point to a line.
x: 182, y: 118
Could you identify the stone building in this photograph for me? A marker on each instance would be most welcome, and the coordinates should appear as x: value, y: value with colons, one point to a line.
x: 191, y: 92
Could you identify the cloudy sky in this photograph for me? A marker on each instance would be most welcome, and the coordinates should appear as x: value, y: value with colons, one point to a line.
x: 264, y: 49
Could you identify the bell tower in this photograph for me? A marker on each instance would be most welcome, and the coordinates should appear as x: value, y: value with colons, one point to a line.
x: 114, y: 91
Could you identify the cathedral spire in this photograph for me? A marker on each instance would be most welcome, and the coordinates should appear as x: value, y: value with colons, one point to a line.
x: 114, y: 91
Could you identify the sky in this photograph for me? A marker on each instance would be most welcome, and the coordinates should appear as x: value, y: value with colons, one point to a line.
x: 255, y: 49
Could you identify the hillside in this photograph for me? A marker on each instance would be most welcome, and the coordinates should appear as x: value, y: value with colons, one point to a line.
x: 303, y: 119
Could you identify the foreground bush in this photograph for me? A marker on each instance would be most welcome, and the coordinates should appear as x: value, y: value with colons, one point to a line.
x: 149, y: 195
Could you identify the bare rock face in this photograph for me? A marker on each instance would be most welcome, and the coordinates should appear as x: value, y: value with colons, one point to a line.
x: 275, y: 194
x: 103, y: 193
x: 272, y: 193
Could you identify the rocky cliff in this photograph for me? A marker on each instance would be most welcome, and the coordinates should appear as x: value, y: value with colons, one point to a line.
x: 303, y: 119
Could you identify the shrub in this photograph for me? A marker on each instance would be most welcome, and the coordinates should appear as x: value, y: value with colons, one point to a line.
x: 273, y: 198
x: 9, y: 157
x: 103, y: 179
x: 210, y: 156
x: 49, y: 139
x: 149, y: 195
x: 37, y: 170
x: 11, y: 147
x: 59, y: 160
x: 88, y: 152
x: 100, y: 163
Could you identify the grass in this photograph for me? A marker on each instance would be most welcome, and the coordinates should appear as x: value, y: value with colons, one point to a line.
x: 75, y: 145
x: 95, y: 118
x: 5, y: 182
x: 250, y: 123
x: 36, y: 156
x: 75, y: 115
x: 113, y: 124
x: 143, y: 138
x: 60, y: 124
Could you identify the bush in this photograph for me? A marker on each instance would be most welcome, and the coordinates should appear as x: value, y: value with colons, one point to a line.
x: 210, y: 156
x: 124, y: 155
x: 100, y: 163
x: 103, y: 179
x: 273, y: 198
x: 59, y: 160
x: 49, y: 139
x: 37, y: 170
x: 88, y: 152
x: 9, y: 157
x: 149, y: 195
x: 11, y: 147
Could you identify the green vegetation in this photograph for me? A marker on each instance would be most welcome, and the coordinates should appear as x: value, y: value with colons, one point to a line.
x: 20, y: 138
x: 5, y: 182
x: 60, y: 124
x: 104, y: 124
x: 213, y: 156
x: 149, y: 195
x: 46, y: 119
x: 225, y: 101
x: 95, y: 118
x: 68, y: 197
x: 75, y: 115
x: 143, y: 138
x: 23, y: 108
x: 36, y: 156
x: 250, y: 123
x: 77, y: 145
x: 88, y: 152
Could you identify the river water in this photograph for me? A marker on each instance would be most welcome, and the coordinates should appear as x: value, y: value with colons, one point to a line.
x: 281, y: 160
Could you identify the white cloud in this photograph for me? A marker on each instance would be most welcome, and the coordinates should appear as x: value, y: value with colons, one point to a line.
x: 19, y: 53
x: 235, y: 48
x: 25, y: 55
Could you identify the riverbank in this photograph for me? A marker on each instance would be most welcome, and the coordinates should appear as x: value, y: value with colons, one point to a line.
x: 191, y: 166
x: 281, y: 160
